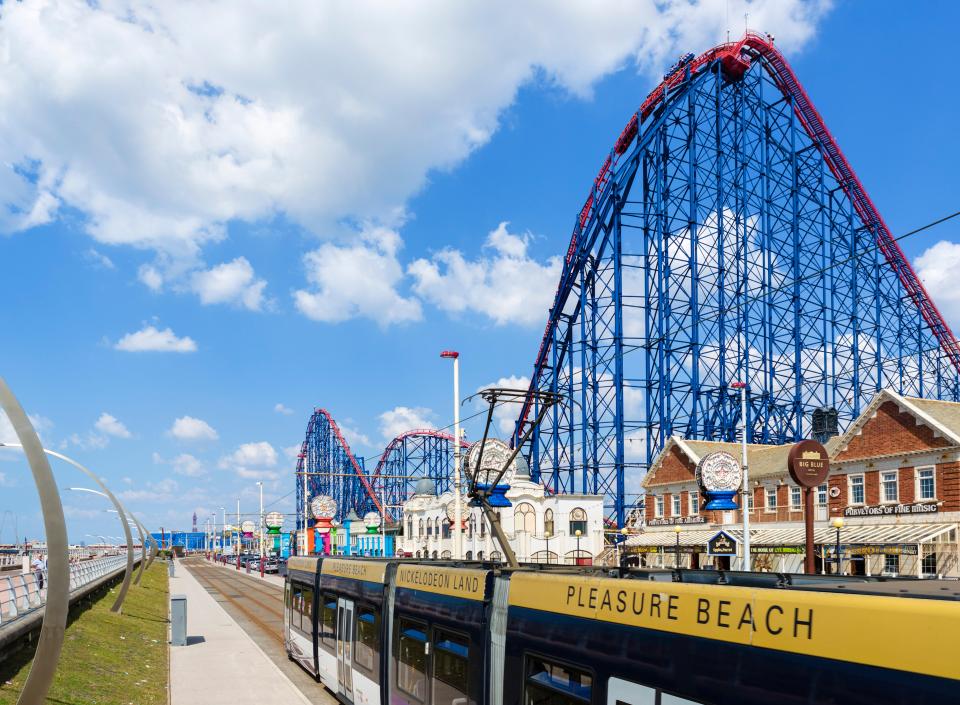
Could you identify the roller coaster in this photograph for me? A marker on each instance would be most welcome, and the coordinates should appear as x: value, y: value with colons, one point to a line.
x: 725, y: 239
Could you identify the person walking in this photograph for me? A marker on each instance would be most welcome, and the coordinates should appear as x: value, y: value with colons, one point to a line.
x: 38, y: 571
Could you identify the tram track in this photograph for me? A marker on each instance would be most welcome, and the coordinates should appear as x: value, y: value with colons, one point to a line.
x: 257, y: 607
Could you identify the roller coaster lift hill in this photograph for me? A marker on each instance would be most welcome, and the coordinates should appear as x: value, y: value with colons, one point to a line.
x: 490, y: 494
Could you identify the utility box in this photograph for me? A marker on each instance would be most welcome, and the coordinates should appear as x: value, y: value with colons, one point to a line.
x: 178, y: 620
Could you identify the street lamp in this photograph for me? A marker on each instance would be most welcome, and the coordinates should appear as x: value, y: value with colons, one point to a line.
x: 744, y: 503
x: 577, y: 533
x: 546, y: 535
x: 676, y: 560
x: 260, y: 485
x: 837, y: 523
x: 457, y: 499
x: 624, y: 532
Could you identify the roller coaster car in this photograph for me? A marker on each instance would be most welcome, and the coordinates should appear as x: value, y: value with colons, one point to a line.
x: 681, y: 62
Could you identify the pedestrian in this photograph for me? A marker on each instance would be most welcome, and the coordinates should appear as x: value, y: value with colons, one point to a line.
x: 38, y: 571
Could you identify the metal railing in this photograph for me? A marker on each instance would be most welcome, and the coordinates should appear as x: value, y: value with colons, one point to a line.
x: 21, y: 594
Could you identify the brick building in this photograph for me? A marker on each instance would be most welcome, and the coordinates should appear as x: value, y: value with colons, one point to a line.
x: 894, y: 481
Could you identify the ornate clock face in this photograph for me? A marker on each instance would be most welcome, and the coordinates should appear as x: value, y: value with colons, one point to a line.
x: 247, y: 527
x: 274, y: 520
x: 371, y: 519
x: 495, y: 454
x: 323, y: 507
x: 449, y: 509
x: 719, y: 472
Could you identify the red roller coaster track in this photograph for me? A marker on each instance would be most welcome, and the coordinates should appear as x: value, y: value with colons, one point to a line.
x: 735, y: 58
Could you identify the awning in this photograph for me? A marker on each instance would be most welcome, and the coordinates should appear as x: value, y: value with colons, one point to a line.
x: 794, y: 536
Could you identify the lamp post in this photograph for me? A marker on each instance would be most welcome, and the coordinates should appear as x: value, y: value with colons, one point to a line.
x: 676, y: 560
x: 457, y: 509
x: 744, y: 504
x: 239, y: 535
x: 577, y: 533
x: 260, y: 485
x: 546, y: 535
x: 223, y: 530
x: 837, y: 523
x: 624, y: 533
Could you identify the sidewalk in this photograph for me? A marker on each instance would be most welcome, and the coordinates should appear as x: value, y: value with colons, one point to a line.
x: 220, y: 663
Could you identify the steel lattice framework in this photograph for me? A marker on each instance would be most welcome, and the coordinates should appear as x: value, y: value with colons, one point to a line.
x: 726, y: 238
x: 410, y: 457
x: 332, y: 469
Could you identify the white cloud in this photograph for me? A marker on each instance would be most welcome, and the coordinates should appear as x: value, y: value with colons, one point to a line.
x: 161, y: 123
x: 292, y: 452
x: 188, y: 428
x: 354, y: 436
x: 937, y: 268
x: 230, y: 283
x: 504, y: 284
x: 150, y: 277
x: 151, y: 339
x: 41, y: 425
x: 358, y: 280
x: 98, y: 260
x: 282, y: 409
x: 165, y: 490
x: 404, y: 418
x: 251, y: 460
x: 111, y: 426
x: 188, y: 465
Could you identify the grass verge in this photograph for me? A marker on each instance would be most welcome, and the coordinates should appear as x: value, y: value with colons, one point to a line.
x: 107, y: 659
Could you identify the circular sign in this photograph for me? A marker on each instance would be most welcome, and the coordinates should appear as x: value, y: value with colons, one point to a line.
x: 323, y: 507
x: 371, y: 520
x: 273, y: 520
x: 808, y: 463
x: 450, y: 509
x: 247, y: 527
x: 495, y: 454
x: 719, y: 472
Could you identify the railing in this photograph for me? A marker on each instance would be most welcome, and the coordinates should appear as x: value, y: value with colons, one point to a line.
x: 21, y: 594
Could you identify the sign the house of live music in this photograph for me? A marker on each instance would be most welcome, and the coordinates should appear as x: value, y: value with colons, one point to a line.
x: 894, y: 478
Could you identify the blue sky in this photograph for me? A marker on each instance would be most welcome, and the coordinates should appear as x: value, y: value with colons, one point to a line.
x: 277, y: 209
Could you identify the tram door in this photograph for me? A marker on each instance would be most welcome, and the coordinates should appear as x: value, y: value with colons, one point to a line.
x: 345, y: 627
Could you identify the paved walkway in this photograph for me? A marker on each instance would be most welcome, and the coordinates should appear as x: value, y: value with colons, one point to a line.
x: 221, y: 663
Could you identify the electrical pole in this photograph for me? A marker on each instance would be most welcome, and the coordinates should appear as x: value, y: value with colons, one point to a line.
x: 457, y: 496
x: 745, y: 500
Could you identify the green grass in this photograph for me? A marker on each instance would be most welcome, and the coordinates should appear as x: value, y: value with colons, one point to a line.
x: 107, y: 659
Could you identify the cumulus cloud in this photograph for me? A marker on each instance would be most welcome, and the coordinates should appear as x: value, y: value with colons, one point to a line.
x: 41, y: 425
x: 98, y: 260
x: 937, y: 268
x: 111, y: 426
x: 504, y: 284
x: 404, y: 418
x: 230, y: 283
x: 357, y: 280
x: 282, y: 409
x: 188, y: 465
x: 161, y: 123
x: 188, y: 428
x: 505, y: 415
x: 151, y: 339
x: 354, y: 436
x: 251, y: 460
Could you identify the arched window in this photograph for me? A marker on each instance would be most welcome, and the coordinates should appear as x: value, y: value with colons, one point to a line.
x: 483, y: 527
x: 409, y: 527
x: 469, y: 555
x: 545, y: 557
x: 578, y: 521
x: 429, y: 528
x: 434, y: 556
x: 436, y: 527
x: 418, y: 554
x: 578, y: 558
x: 471, y: 526
x: 524, y: 518
x: 446, y: 555
x: 420, y: 532
x: 495, y: 556
x: 446, y: 529
x: 479, y: 555
x: 548, y: 523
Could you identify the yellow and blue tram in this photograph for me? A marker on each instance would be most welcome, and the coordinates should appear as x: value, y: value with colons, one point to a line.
x: 400, y: 632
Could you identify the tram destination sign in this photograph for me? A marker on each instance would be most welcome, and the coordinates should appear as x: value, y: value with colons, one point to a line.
x: 892, y: 509
x: 672, y: 521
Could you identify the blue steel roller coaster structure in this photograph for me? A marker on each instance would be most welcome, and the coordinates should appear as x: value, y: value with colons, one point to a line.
x: 725, y: 239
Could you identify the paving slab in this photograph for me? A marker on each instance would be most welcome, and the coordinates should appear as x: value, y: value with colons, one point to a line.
x: 221, y: 663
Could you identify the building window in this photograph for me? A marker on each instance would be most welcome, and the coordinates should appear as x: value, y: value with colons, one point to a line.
x: 822, y: 495
x: 694, y: 503
x: 891, y: 565
x: 446, y: 528
x: 409, y: 527
x: 429, y: 527
x: 771, y: 498
x: 548, y: 522
x: 578, y: 521
x: 420, y: 532
x: 524, y: 518
x: 926, y: 483
x: 677, y: 511
x: 436, y: 527
x: 796, y: 499
x: 658, y: 508
x: 750, y: 500
x: 856, y: 489
x: 929, y: 565
x: 888, y: 481
x: 483, y: 527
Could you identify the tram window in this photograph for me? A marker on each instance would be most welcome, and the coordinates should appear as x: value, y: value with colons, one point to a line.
x: 295, y: 600
x: 286, y: 596
x: 412, y: 658
x: 551, y: 683
x: 450, y: 659
x: 329, y: 613
x: 306, y: 610
x: 368, y: 638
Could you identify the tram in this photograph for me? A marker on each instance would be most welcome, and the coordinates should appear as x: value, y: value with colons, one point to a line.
x: 402, y: 632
